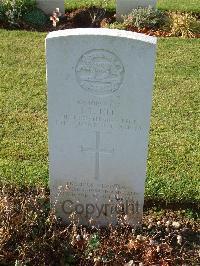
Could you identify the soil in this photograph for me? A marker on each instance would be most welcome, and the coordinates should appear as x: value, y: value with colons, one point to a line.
x: 31, y: 235
x: 84, y: 18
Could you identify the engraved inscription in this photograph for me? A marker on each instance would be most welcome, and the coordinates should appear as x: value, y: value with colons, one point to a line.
x: 100, y: 201
x: 100, y: 72
x: 97, y: 152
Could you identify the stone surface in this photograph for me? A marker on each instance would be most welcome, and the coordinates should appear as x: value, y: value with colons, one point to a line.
x: 99, y: 103
x: 48, y: 6
x: 124, y: 7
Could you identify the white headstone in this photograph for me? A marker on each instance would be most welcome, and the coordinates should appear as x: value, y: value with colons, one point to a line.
x: 124, y: 7
x: 48, y: 6
x: 99, y: 102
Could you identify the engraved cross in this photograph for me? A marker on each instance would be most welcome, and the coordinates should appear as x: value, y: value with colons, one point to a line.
x: 97, y: 150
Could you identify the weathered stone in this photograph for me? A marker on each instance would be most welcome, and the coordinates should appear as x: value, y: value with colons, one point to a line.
x: 99, y: 102
x: 48, y: 6
x: 124, y: 7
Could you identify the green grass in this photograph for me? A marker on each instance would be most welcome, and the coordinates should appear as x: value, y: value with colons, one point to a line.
x: 173, y: 165
x: 23, y: 100
x: 182, y: 5
x: 72, y: 4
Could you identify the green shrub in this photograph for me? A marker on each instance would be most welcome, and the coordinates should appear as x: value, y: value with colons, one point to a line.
x: 36, y: 17
x: 146, y: 18
x: 2, y: 12
x: 13, y: 10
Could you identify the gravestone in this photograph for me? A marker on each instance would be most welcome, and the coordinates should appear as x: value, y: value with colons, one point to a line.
x: 99, y: 103
x: 48, y: 6
x: 124, y: 7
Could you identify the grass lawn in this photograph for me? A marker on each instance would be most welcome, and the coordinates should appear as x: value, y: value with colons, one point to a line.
x: 182, y: 5
x: 173, y: 165
x: 72, y: 4
x: 174, y: 155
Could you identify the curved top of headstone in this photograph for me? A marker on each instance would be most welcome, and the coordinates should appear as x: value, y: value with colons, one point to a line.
x: 102, y: 32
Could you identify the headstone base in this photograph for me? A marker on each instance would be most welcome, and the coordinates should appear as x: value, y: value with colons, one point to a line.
x: 48, y: 6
